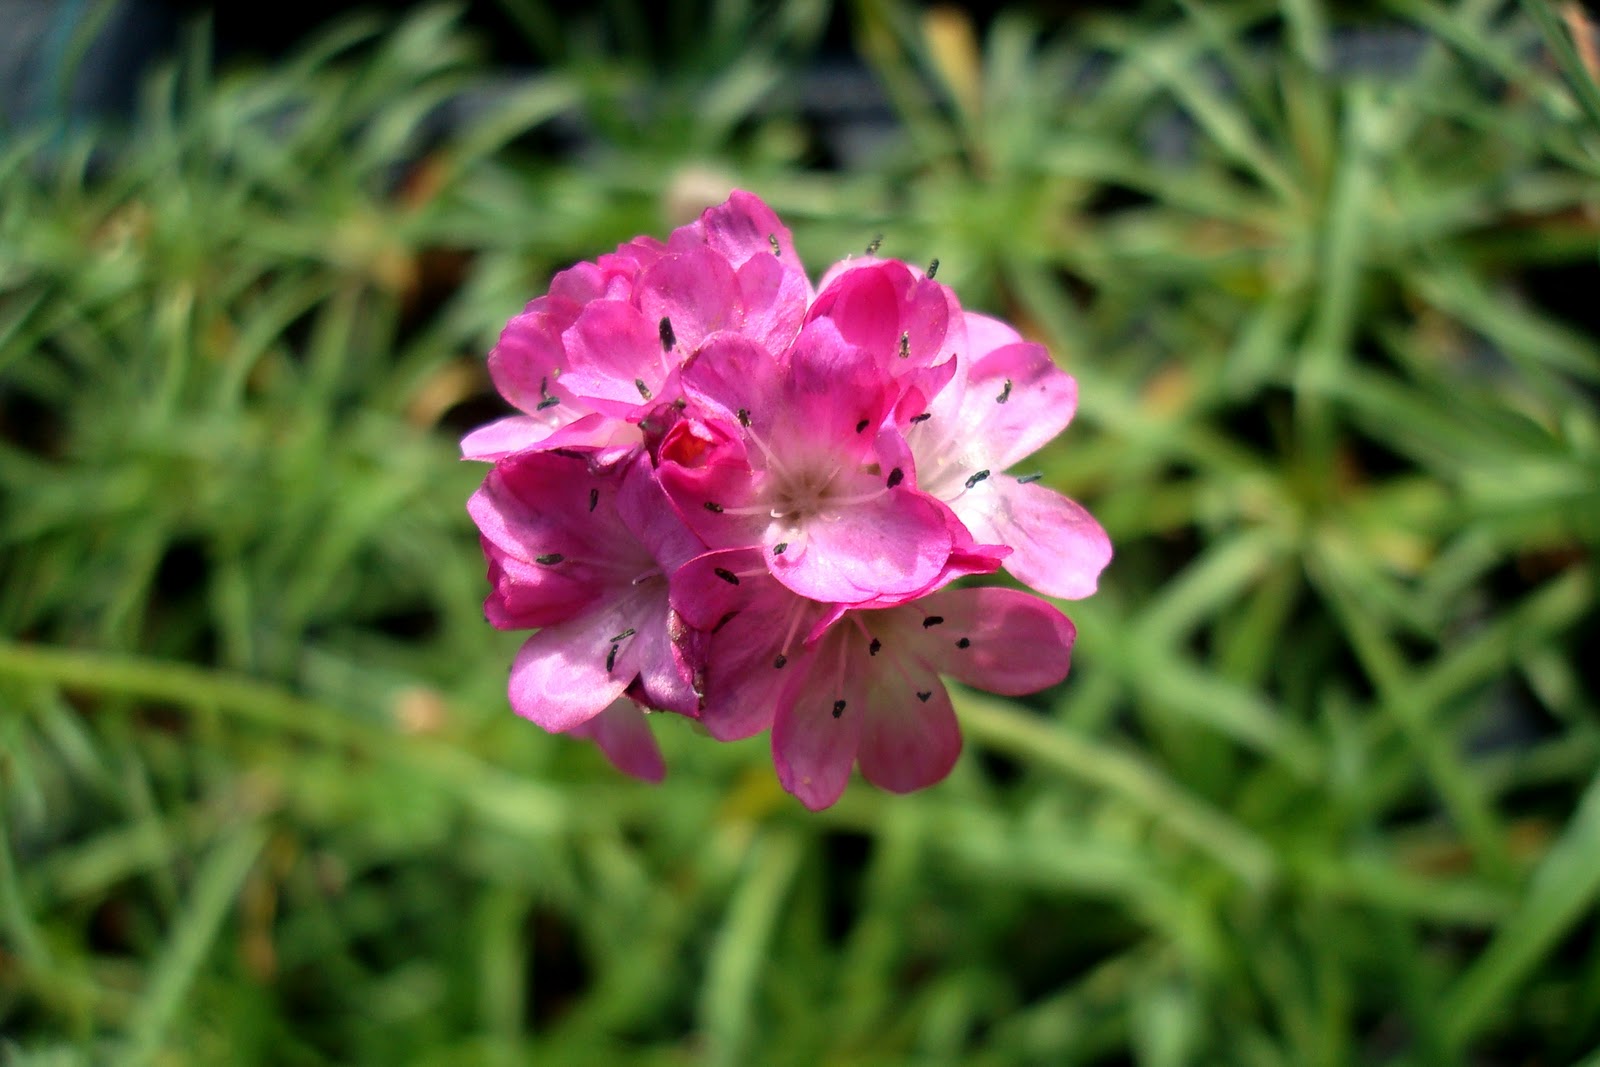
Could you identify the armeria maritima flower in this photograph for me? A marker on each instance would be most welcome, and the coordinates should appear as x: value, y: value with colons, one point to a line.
x: 732, y: 497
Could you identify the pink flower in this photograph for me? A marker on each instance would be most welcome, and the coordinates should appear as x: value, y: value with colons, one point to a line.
x: 791, y: 455
x: 585, y: 363
x: 859, y: 687
x: 728, y: 496
x: 997, y: 411
x: 585, y: 556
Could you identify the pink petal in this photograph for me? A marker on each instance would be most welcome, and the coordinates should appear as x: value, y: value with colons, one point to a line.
x: 1017, y: 399
x: 623, y: 733
x: 505, y: 436
x: 830, y: 389
x: 561, y: 677
x: 616, y: 362
x: 985, y: 334
x: 648, y: 514
x: 775, y: 301
x: 895, y: 545
x: 910, y: 740
x: 696, y: 291
x: 744, y: 227
x: 1057, y: 547
x: 817, y: 730
x: 1002, y: 640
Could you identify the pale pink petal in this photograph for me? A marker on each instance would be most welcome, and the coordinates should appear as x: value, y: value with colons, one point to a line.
x: 623, y: 733
x: 514, y: 433
x: 910, y: 740
x: 1017, y: 400
x: 1056, y: 546
x: 985, y: 334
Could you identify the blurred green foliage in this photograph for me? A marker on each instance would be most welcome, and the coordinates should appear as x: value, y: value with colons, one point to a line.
x: 1321, y: 790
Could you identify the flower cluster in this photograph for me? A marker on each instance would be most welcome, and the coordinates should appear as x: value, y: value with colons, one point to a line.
x: 732, y: 496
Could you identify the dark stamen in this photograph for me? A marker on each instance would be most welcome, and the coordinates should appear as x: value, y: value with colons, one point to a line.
x: 964, y: 643
x: 611, y: 659
x: 594, y: 498
x: 1005, y: 393
x: 624, y: 635
x: 744, y: 417
x: 932, y: 620
x: 873, y: 648
x: 726, y: 575
x: 668, y: 338
x: 772, y: 239
x: 778, y: 663
x: 549, y: 559
x: 933, y: 268
x: 905, y: 346
x: 715, y: 509
x: 547, y: 401
x: 924, y: 696
x: 896, y: 476
x: 924, y: 417
x: 838, y: 708
x: 862, y: 425
x: 780, y: 548
x: 976, y: 478
x: 723, y: 621
x: 644, y: 390
x: 1029, y: 479
x: 872, y: 246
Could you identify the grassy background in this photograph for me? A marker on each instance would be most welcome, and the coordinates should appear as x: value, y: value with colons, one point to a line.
x: 1322, y: 788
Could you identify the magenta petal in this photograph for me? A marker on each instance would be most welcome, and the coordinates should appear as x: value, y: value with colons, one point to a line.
x: 623, y: 733
x: 830, y: 389
x: 560, y: 678
x: 696, y: 291
x: 775, y: 301
x: 1057, y: 547
x: 616, y: 362
x: 529, y: 356
x: 643, y: 506
x: 911, y: 739
x: 744, y: 227
x: 1002, y: 640
x: 813, y: 746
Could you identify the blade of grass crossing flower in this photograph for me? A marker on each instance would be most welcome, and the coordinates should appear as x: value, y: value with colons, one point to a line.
x: 216, y: 885
x: 741, y: 947
x: 1564, y: 888
x: 1004, y: 726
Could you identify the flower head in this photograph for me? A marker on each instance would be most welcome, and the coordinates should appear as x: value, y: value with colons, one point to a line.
x: 732, y: 497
